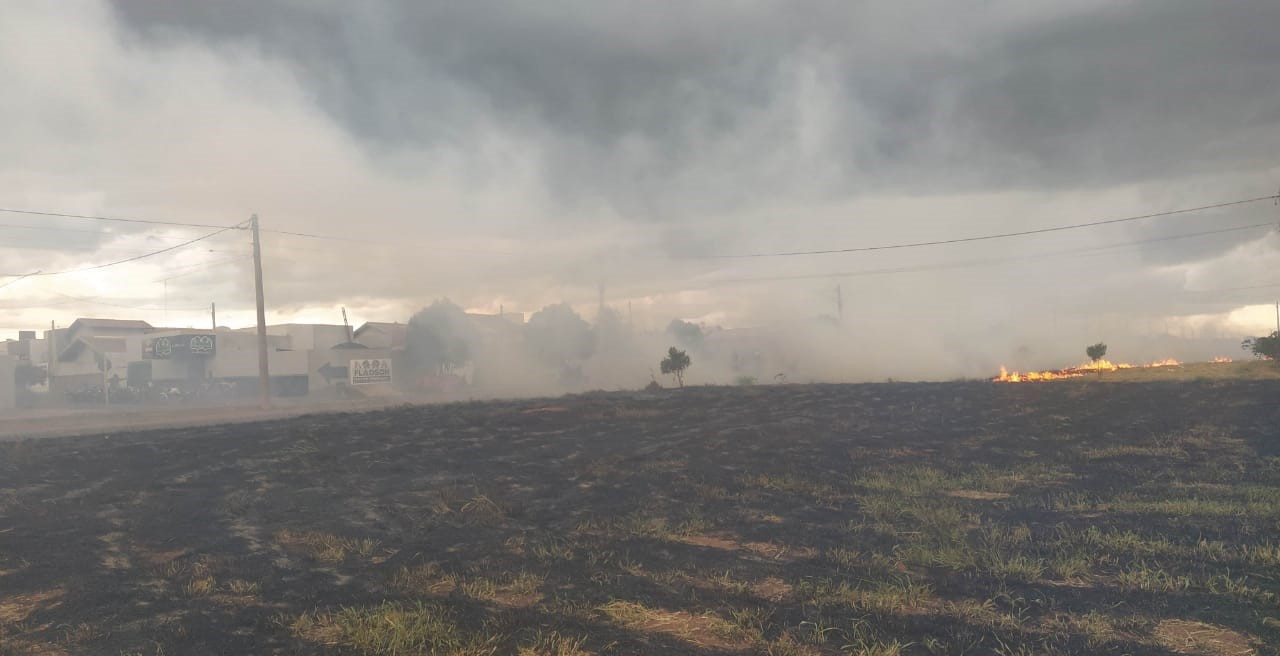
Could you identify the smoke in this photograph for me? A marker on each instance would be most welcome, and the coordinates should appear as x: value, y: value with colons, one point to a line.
x: 519, y: 156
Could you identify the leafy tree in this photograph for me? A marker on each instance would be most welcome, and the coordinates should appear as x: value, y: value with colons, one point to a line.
x: 27, y: 374
x: 559, y: 336
x: 675, y: 364
x: 439, y: 338
x: 688, y: 334
x: 1267, y: 347
x: 1096, y: 352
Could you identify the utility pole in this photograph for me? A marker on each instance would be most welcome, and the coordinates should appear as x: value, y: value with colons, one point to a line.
x: 839, y: 305
x: 213, y: 315
x: 1278, y: 317
x: 53, y: 353
x: 346, y: 324
x: 264, y: 374
x: 106, y: 383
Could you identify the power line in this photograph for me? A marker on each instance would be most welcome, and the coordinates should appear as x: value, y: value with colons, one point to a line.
x: 983, y: 262
x: 94, y: 301
x: 15, y: 226
x: 130, y: 259
x: 201, y: 265
x: 116, y: 219
x: 18, y: 279
x: 1004, y: 235
x: 104, y: 250
x: 40, y: 304
x: 354, y: 240
x: 1232, y: 289
x: 71, y: 298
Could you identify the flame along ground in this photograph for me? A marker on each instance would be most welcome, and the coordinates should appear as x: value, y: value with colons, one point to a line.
x: 1080, y: 371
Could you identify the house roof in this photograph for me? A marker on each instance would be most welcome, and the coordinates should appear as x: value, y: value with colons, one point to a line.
x: 90, y: 324
x: 86, y: 322
x: 389, y: 326
x: 96, y: 344
x: 398, y: 332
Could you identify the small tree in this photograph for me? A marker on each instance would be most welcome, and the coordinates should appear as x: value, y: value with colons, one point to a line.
x: 1096, y: 352
x: 27, y: 375
x: 675, y: 364
x: 686, y: 334
x: 1267, y: 347
x: 439, y: 339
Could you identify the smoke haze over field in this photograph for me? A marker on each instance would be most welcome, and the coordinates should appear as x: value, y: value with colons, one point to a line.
x: 519, y: 155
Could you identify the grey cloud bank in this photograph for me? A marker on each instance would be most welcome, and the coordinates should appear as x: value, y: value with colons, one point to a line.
x: 523, y: 153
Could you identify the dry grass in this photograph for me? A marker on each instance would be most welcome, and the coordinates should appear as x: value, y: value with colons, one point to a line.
x: 327, y: 547
x: 391, y: 629
x: 707, y: 629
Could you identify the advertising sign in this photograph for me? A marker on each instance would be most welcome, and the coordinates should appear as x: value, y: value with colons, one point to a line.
x: 180, y: 347
x: 370, y: 371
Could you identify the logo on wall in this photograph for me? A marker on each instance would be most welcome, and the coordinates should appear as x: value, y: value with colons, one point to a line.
x: 180, y: 347
x: 162, y: 348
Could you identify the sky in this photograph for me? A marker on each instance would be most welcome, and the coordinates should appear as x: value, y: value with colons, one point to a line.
x: 516, y: 154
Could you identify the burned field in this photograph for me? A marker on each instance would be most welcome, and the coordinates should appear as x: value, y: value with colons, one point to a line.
x: 964, y: 518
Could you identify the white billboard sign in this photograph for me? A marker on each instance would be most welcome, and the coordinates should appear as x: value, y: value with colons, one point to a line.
x: 370, y: 371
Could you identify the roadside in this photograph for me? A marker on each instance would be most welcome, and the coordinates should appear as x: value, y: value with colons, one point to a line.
x: 41, y: 423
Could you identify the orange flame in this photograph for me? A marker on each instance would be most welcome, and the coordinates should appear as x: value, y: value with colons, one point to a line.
x: 1077, y: 372
x: 1222, y: 360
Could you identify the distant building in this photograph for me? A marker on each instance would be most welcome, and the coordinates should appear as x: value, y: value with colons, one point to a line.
x: 89, y: 360
x: 381, y: 334
x: 8, y: 387
x: 305, y: 336
x: 301, y: 357
x: 25, y: 348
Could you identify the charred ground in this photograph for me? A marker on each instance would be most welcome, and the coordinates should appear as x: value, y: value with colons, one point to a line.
x: 1072, y: 518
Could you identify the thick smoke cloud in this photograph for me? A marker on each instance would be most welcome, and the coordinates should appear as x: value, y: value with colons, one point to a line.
x: 519, y: 155
x: 1023, y: 95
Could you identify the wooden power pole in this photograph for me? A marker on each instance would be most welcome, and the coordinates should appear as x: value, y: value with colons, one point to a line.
x: 53, y: 354
x: 264, y: 374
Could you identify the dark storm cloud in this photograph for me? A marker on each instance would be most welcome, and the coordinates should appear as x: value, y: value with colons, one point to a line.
x: 637, y: 103
x: 586, y: 142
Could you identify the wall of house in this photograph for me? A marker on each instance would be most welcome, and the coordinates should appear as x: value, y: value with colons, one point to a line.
x: 86, y: 363
x: 240, y: 363
x: 69, y: 383
x: 305, y: 337
x: 8, y: 392
x: 39, y: 350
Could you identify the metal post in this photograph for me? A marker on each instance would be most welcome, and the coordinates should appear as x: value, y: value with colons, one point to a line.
x: 213, y: 316
x: 53, y: 353
x: 264, y: 375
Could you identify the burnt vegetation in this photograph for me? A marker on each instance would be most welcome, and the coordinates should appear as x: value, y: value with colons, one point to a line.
x: 960, y: 518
